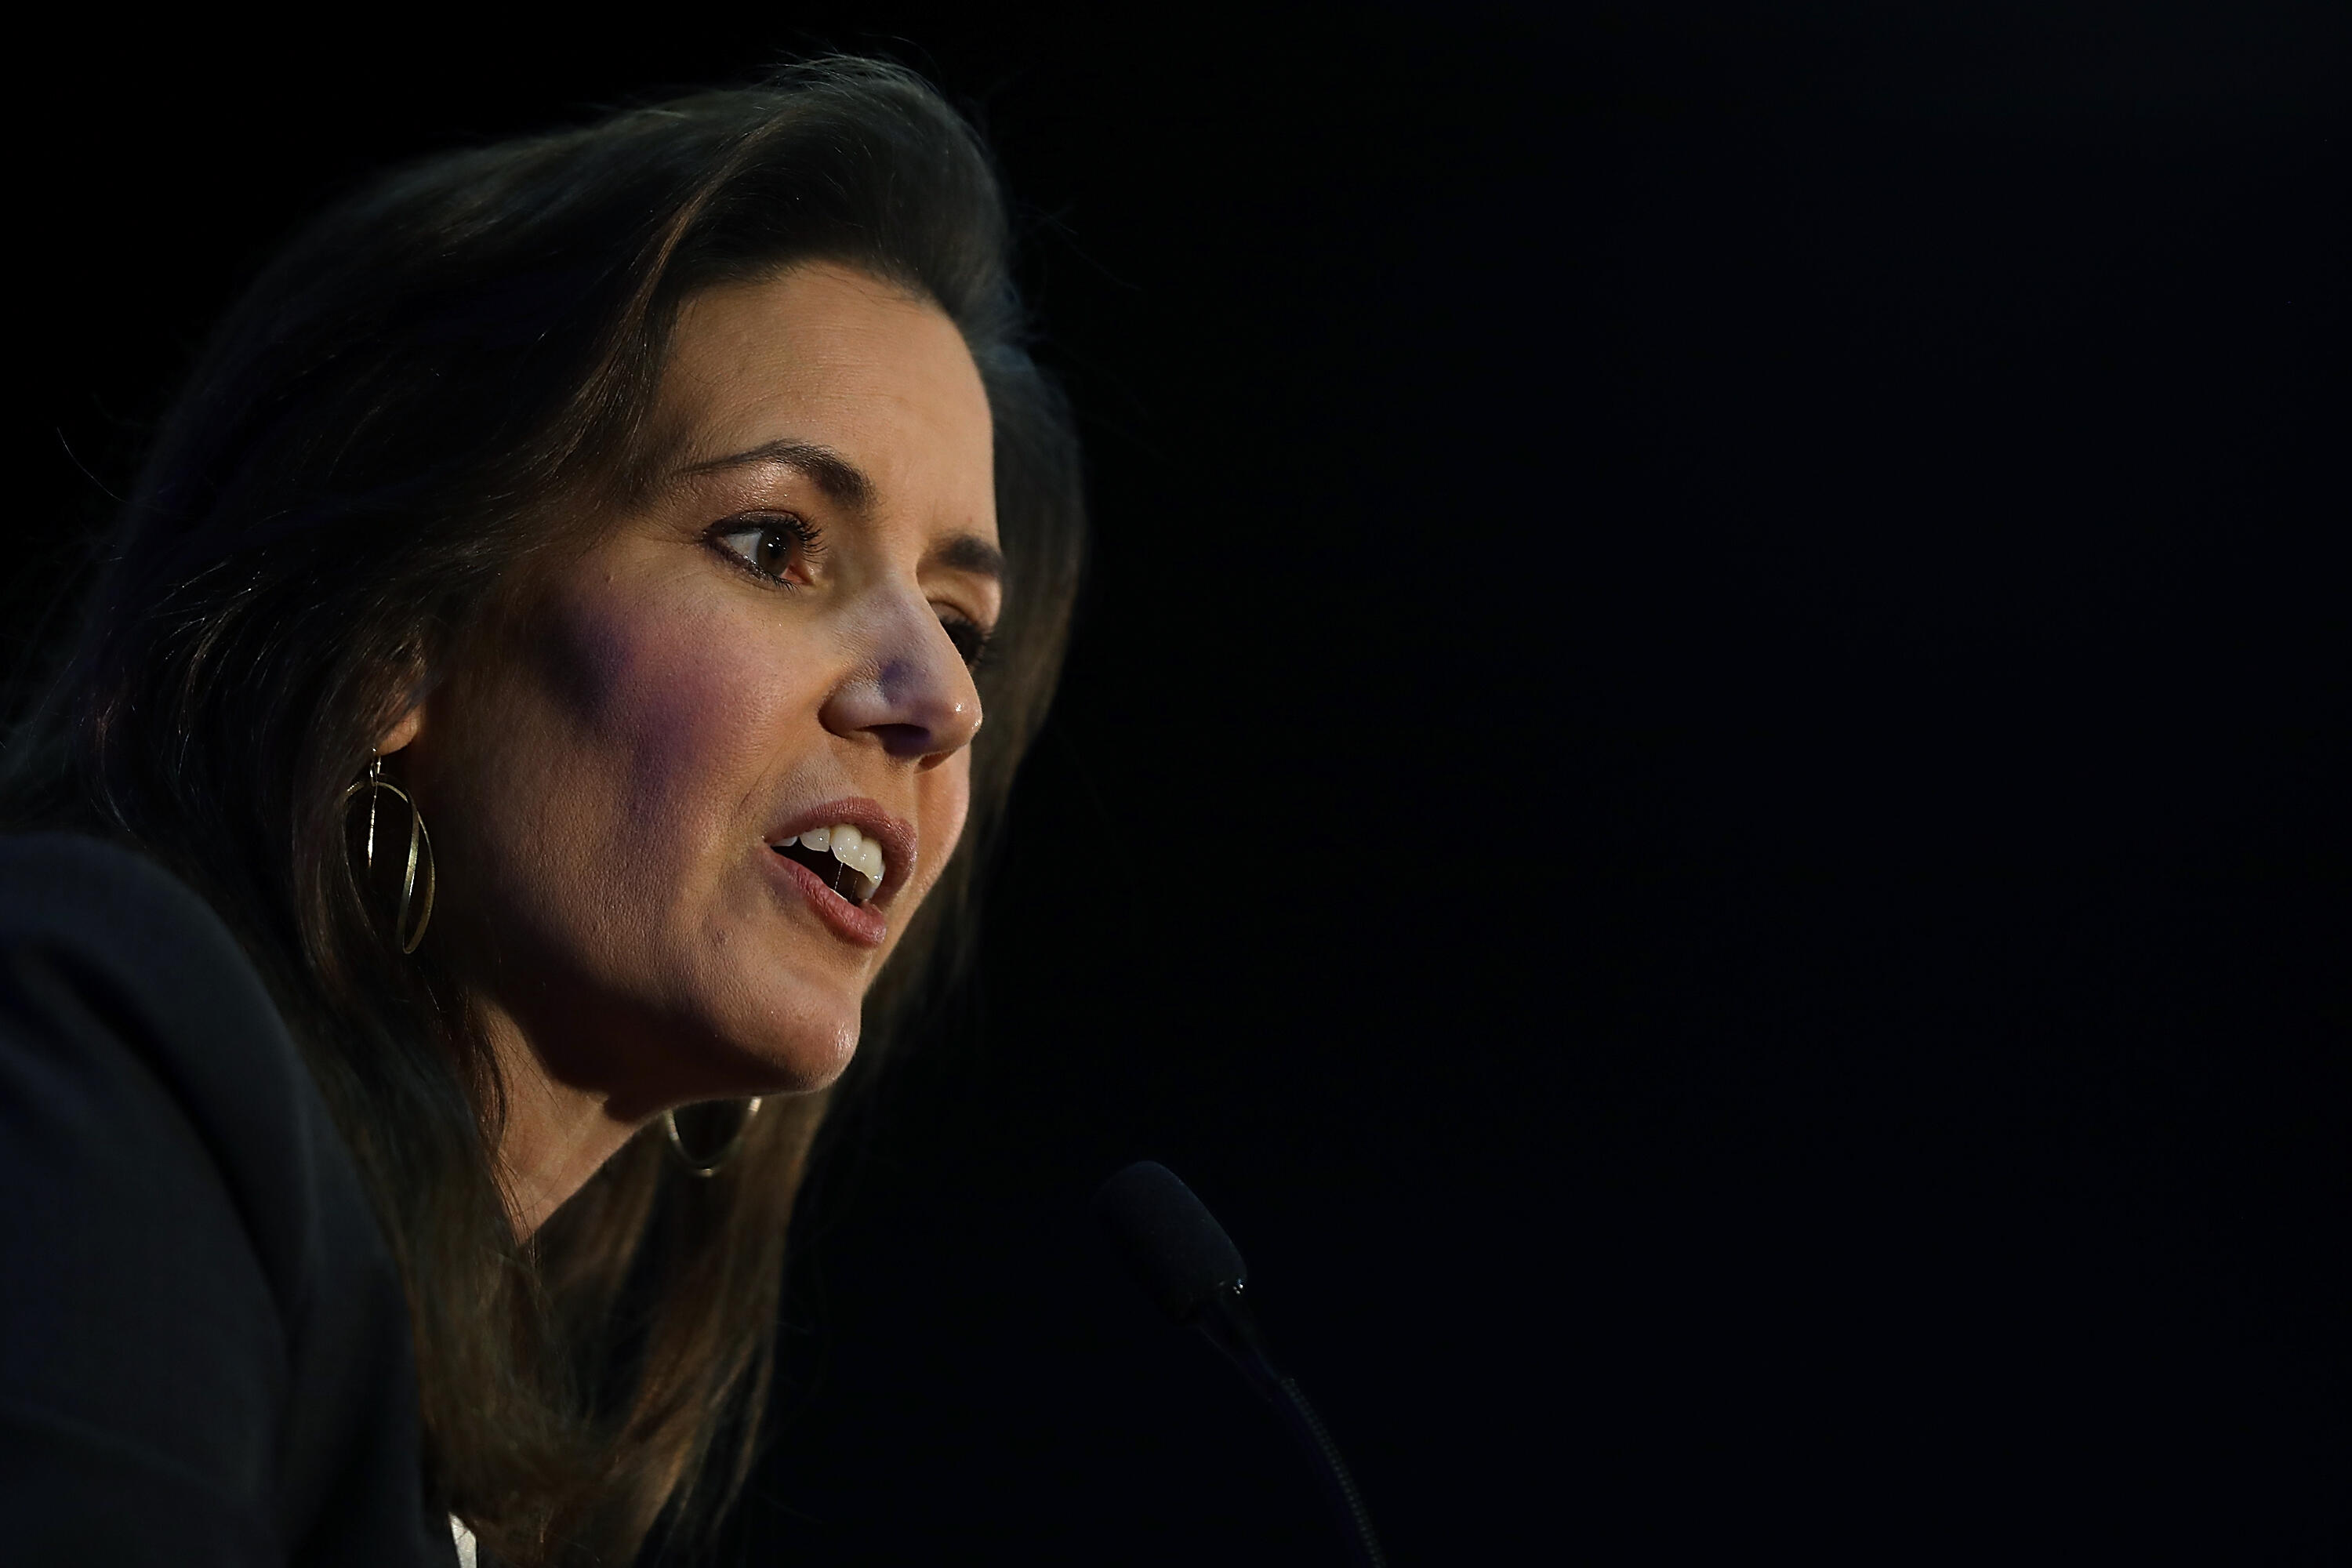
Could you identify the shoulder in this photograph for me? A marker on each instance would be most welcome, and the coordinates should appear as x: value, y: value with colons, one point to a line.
x: 202, y: 1338
x: 126, y: 974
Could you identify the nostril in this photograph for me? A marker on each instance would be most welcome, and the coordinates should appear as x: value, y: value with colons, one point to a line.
x: 904, y: 739
x: 913, y: 705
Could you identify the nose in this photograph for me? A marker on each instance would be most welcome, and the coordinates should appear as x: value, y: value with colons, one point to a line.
x: 911, y: 691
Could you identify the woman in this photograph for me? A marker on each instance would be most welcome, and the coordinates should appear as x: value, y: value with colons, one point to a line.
x: 549, y: 644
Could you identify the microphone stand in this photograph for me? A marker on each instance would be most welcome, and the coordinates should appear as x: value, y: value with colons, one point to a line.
x: 1226, y: 1318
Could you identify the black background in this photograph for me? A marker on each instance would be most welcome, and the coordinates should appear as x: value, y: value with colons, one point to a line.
x: 1701, y: 787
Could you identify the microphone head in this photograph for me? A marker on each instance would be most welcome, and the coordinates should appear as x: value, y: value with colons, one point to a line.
x: 1169, y: 1240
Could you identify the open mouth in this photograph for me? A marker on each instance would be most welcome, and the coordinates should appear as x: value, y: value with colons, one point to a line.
x: 844, y: 859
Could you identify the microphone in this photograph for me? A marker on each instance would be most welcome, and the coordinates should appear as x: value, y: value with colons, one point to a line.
x: 1192, y: 1270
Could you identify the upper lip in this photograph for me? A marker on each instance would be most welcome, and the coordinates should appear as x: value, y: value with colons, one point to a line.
x: 896, y: 834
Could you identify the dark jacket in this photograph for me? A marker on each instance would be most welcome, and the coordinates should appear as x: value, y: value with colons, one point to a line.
x: 203, y: 1349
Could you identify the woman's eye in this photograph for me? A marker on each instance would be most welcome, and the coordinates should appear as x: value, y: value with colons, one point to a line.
x: 774, y: 545
x: 970, y: 638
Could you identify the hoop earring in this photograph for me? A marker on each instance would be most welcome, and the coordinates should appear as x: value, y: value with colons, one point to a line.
x: 709, y: 1164
x: 420, y: 856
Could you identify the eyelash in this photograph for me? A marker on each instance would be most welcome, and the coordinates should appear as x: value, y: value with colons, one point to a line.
x: 970, y: 638
x: 807, y: 541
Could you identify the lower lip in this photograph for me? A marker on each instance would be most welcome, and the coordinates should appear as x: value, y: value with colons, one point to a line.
x: 859, y: 924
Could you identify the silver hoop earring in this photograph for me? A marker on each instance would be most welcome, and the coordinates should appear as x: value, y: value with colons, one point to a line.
x: 711, y: 1163
x: 419, y: 868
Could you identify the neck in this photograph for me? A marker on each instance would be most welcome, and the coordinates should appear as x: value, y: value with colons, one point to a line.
x: 556, y: 1135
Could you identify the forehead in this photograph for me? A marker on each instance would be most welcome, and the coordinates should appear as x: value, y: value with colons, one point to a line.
x: 824, y: 355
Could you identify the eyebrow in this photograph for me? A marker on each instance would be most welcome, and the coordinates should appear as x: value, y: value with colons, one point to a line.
x: 845, y: 484
x: 843, y: 481
x: 968, y: 553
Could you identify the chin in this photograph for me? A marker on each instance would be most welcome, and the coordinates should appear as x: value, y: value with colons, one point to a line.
x: 800, y: 1048
x: 802, y: 1069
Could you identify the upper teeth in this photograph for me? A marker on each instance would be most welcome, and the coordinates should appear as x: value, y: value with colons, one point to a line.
x: 852, y: 848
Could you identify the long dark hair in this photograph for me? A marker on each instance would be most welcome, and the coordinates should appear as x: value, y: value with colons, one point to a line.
x: 385, y: 431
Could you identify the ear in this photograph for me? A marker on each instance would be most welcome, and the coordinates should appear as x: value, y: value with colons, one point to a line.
x: 403, y: 730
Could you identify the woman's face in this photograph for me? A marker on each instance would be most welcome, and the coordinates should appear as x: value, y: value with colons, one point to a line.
x: 773, y: 641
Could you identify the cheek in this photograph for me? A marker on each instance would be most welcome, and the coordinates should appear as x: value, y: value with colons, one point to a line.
x: 676, y: 714
x: 944, y: 796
